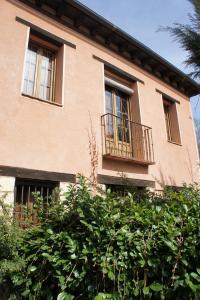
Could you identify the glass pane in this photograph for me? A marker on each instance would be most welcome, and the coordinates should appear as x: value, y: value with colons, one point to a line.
x: 123, y: 118
x: 109, y: 106
x: 26, y: 70
x: 42, y: 92
x: 32, y: 72
x: 49, y: 78
x: 109, y: 117
x: 48, y: 91
x: 125, y: 106
x: 127, y: 133
x: 118, y: 107
x: 119, y: 119
x: 30, y: 68
x: 30, y: 88
x: 46, y: 75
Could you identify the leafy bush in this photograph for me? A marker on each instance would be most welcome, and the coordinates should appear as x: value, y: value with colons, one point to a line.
x: 109, y: 247
x: 10, y: 261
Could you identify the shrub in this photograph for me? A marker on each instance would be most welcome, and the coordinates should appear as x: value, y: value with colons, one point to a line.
x: 10, y: 261
x: 109, y: 247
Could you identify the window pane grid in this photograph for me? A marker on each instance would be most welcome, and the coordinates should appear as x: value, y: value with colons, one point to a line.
x: 118, y: 131
x: 29, y: 77
x: 39, y: 73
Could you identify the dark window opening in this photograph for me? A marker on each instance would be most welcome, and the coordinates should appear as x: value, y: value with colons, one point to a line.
x: 24, y: 198
x: 173, y: 188
x: 124, y: 190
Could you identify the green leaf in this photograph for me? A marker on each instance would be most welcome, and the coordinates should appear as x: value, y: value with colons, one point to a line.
x: 61, y: 280
x: 100, y: 296
x: 150, y: 263
x: 170, y: 245
x: 185, y: 262
x: 192, y: 285
x: 198, y: 271
x: 156, y: 287
x: 44, y: 254
x: 136, y: 292
x: 185, y: 208
x: 32, y: 269
x: 76, y: 274
x: 145, y: 290
x: 26, y: 293
x: 31, y: 297
x: 50, y: 231
x: 65, y: 296
x: 111, y: 275
x: 73, y: 256
x: 158, y: 209
x: 195, y: 276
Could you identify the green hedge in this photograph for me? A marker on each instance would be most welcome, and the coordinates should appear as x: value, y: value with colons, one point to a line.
x: 109, y: 247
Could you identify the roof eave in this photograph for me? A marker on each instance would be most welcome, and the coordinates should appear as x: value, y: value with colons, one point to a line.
x: 105, y: 33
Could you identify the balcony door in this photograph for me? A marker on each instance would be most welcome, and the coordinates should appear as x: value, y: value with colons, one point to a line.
x: 118, y: 132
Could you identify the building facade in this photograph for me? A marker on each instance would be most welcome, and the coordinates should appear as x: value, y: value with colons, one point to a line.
x: 70, y: 81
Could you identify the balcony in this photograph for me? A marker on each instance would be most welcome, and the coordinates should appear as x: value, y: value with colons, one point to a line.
x: 126, y: 140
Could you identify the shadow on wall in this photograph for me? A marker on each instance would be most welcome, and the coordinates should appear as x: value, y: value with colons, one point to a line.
x: 170, y: 181
x: 164, y: 180
x: 190, y: 167
x: 123, y: 167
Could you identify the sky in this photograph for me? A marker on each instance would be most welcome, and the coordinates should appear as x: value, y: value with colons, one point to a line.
x: 143, y: 18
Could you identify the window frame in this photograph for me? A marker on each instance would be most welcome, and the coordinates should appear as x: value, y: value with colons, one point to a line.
x: 122, y: 96
x: 42, y: 45
x: 166, y: 106
x: 171, y: 121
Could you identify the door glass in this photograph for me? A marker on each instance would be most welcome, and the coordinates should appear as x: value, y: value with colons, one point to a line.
x: 122, y: 118
x: 125, y: 117
x: 119, y: 118
x: 109, y: 114
x: 117, y: 115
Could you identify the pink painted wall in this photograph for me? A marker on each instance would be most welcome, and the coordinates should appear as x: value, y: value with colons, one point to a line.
x: 38, y: 135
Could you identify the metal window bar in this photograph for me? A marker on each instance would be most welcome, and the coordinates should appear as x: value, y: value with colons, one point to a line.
x: 24, y: 212
x: 130, y: 140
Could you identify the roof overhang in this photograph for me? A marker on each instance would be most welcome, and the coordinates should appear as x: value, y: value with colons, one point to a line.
x: 78, y: 17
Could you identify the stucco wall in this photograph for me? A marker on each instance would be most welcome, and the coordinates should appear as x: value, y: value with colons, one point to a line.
x: 42, y: 136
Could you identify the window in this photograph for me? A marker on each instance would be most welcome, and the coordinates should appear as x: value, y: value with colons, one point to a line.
x: 171, y: 121
x: 43, y: 71
x: 125, y: 190
x: 24, y: 198
x: 124, y: 137
x: 117, y: 108
x: 167, y: 120
x: 118, y: 94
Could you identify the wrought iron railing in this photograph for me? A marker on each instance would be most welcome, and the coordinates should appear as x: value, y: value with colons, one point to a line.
x: 124, y: 139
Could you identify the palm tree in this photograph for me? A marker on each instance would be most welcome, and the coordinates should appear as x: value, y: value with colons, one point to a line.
x: 189, y: 38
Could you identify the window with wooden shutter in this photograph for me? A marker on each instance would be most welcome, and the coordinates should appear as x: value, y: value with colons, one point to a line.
x: 171, y: 121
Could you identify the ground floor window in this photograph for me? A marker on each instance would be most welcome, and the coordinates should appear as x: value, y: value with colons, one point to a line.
x: 124, y: 190
x: 24, y: 198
